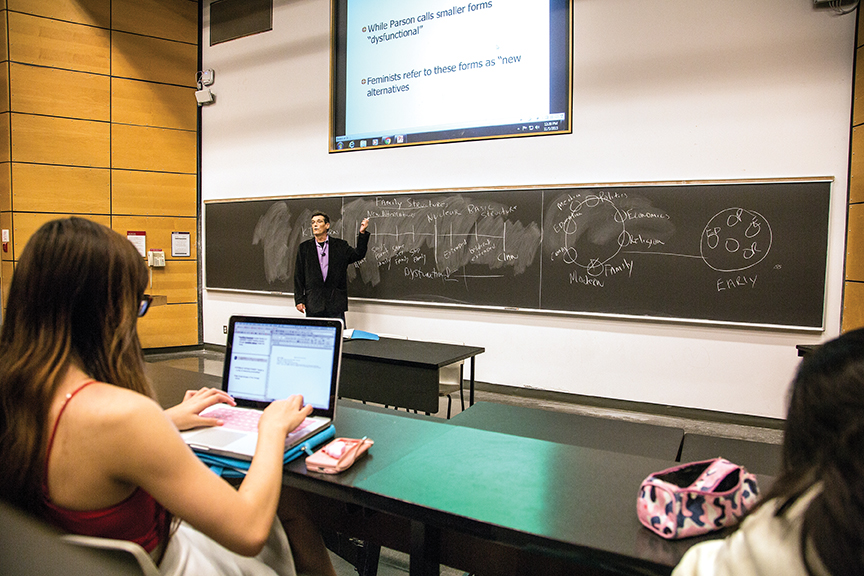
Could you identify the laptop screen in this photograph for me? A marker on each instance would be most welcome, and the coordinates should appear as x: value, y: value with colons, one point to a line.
x: 272, y: 358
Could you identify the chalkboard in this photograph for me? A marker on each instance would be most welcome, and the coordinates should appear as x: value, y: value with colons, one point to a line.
x: 729, y: 253
x: 252, y: 245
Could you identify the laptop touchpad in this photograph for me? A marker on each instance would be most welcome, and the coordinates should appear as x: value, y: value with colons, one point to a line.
x: 217, y: 437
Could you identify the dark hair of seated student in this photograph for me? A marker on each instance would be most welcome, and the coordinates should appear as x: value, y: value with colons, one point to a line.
x: 824, y: 443
x: 811, y: 521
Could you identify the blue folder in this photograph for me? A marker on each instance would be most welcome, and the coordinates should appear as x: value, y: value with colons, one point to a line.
x: 354, y: 334
x: 235, y: 468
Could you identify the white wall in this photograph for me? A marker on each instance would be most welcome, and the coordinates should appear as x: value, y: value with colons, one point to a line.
x: 667, y: 90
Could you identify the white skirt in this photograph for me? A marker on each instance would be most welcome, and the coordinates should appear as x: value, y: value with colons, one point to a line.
x: 191, y: 553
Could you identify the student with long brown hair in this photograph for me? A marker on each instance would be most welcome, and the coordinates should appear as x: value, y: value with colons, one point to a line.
x: 85, y: 446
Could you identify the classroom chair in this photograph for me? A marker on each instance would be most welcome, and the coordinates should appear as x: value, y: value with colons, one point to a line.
x: 126, y: 551
x: 450, y: 382
x: 30, y: 546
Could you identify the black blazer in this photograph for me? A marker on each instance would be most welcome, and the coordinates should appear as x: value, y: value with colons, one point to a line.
x: 328, y: 298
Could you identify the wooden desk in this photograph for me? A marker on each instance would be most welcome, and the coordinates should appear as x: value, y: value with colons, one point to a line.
x: 488, y: 502
x: 622, y: 436
x: 401, y: 373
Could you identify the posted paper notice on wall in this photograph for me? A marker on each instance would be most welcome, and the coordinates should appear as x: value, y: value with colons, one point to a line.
x: 181, y: 244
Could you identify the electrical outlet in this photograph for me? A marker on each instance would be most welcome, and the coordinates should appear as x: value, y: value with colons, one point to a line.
x: 224, y: 329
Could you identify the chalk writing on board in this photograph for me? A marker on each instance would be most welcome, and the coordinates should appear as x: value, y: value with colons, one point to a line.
x: 703, y: 252
x: 594, y: 232
x: 443, y: 238
x: 735, y: 239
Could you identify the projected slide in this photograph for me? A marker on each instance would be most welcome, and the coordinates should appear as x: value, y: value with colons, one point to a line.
x: 419, y: 71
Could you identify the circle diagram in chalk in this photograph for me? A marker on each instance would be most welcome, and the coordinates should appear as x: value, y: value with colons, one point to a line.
x: 592, y: 232
x: 735, y: 239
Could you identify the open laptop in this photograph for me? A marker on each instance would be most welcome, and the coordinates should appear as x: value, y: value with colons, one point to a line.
x: 269, y: 359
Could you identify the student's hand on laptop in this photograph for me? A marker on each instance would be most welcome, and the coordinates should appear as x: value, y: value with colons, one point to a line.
x: 186, y: 415
x: 285, y: 415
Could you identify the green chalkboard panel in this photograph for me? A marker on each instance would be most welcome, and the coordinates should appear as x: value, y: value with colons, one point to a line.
x: 749, y: 253
x: 251, y: 245
x: 478, y: 248
x: 731, y: 253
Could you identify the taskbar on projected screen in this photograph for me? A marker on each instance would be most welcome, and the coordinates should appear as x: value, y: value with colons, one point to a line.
x: 346, y: 144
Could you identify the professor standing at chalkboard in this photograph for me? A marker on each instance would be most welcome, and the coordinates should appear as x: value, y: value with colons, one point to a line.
x: 320, y: 273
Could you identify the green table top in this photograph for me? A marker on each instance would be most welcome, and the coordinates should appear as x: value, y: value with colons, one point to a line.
x: 570, y: 501
x: 637, y: 438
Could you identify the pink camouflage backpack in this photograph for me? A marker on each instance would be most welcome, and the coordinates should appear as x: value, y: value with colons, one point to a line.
x: 695, y: 498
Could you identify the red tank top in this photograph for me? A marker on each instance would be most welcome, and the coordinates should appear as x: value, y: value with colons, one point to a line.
x: 138, y: 518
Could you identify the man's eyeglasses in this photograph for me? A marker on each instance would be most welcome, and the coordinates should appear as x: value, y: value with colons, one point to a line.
x: 145, y: 304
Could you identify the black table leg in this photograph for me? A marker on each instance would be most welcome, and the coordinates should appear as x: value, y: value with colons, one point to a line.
x: 471, y: 395
x: 425, y: 546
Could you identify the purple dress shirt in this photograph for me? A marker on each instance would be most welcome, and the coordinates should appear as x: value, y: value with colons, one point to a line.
x: 324, y: 256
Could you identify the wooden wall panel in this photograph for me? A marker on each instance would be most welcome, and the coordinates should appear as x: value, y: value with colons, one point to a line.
x: 45, y: 188
x: 176, y: 20
x: 853, y: 306
x: 6, y: 224
x: 158, y: 230
x: 157, y: 105
x: 856, y: 181
x: 858, y: 97
x: 6, y: 271
x: 4, y: 37
x: 855, y: 243
x: 154, y: 193
x: 63, y: 141
x: 853, y: 291
x: 5, y: 136
x: 178, y: 280
x: 6, y: 264
x: 98, y: 105
x: 54, y: 92
x: 860, y: 37
x: 34, y: 40
x: 171, y: 325
x: 27, y: 223
x: 4, y: 87
x: 91, y: 12
x: 5, y: 186
x: 157, y: 149
x: 153, y: 59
